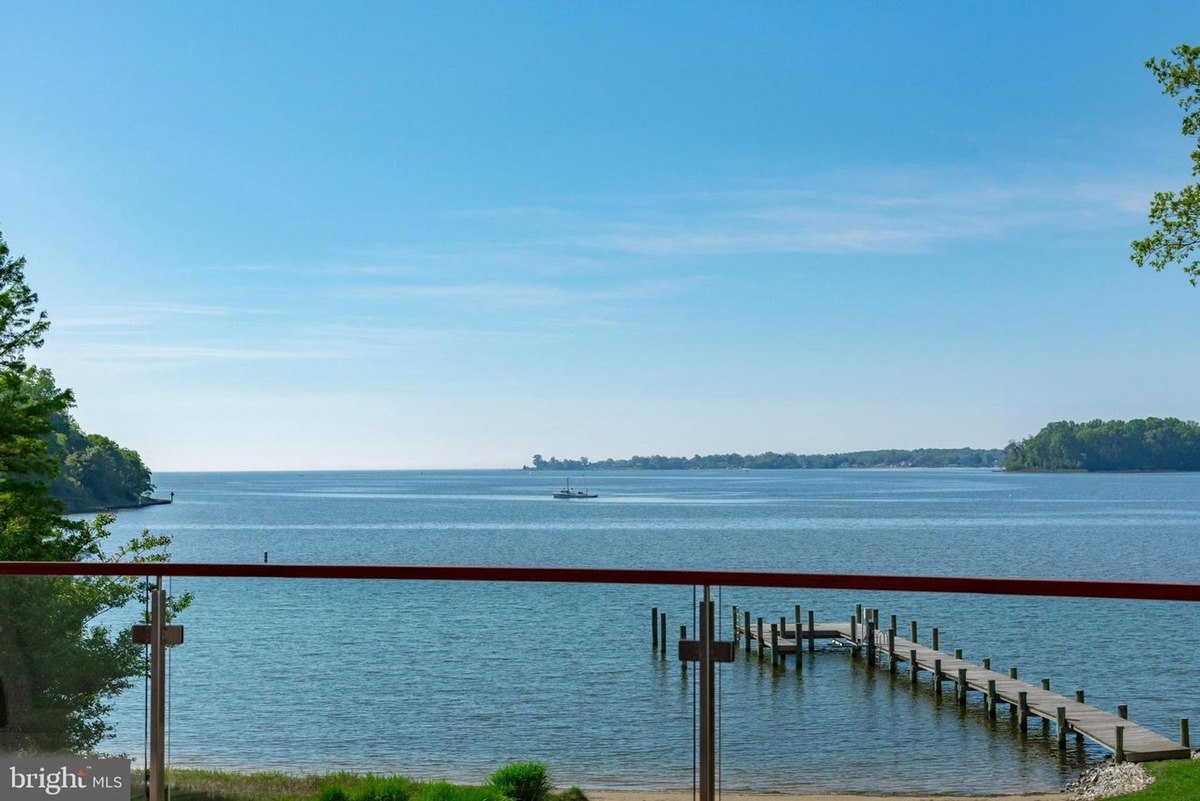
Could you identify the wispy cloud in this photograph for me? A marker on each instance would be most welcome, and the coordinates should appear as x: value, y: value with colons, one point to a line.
x: 67, y: 322
x: 527, y: 295
x: 893, y: 215
x: 132, y: 352
x: 895, y: 211
x: 135, y: 313
x: 185, y: 309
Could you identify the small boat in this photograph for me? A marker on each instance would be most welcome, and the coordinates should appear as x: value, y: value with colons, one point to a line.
x: 570, y: 493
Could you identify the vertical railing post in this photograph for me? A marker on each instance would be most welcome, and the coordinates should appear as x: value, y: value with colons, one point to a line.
x: 708, y: 719
x: 158, y: 693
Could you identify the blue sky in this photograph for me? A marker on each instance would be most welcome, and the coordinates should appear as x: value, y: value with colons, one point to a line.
x: 454, y: 235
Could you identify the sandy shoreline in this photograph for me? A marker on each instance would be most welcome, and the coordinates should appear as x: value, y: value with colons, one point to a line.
x: 686, y: 795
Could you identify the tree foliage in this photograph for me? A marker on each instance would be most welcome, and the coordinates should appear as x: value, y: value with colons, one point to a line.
x: 1175, y: 216
x: 22, y: 326
x: 93, y: 472
x: 1151, y: 443
x: 59, y: 668
x: 921, y: 457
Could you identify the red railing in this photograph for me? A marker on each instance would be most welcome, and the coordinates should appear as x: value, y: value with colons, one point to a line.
x: 1071, y: 588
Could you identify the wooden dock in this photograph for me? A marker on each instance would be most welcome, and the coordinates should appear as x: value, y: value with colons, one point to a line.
x: 1127, y: 740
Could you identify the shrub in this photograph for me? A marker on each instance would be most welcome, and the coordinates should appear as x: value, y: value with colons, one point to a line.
x: 522, y: 781
x: 571, y: 794
x: 444, y: 791
x: 333, y: 794
x: 377, y: 789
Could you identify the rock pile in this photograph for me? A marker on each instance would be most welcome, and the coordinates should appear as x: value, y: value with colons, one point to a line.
x: 1108, y: 779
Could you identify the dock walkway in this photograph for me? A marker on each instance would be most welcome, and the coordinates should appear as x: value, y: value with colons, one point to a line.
x: 1127, y: 740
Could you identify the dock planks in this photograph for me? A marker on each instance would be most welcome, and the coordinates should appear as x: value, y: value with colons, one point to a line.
x: 1139, y: 745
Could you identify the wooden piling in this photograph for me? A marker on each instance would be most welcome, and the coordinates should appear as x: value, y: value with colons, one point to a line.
x: 1012, y: 674
x: 892, y: 627
x: 1123, y: 711
x: 934, y: 644
x: 870, y: 638
x: 1185, y: 738
x: 1062, y: 727
x: 987, y: 663
x: 1023, y: 710
x: 937, y: 677
x: 1120, y: 755
x: 913, y: 668
x: 858, y: 612
x: 991, y: 698
x: 962, y: 687
x: 1045, y: 723
x: 746, y: 629
x: 891, y: 650
x: 912, y: 630
x: 958, y: 653
x: 683, y: 666
x: 812, y: 626
x: 1079, y: 700
x: 735, y: 627
x: 854, y: 632
x: 654, y: 628
x: 761, y: 644
x: 799, y: 639
x: 774, y: 644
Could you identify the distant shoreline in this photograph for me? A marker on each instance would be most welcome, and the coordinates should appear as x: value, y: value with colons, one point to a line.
x: 142, y: 504
x: 770, y: 460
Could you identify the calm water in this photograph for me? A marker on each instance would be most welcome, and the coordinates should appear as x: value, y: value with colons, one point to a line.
x: 437, y: 679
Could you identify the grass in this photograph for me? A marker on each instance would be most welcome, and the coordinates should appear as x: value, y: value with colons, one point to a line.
x: 216, y: 785
x: 1177, y: 780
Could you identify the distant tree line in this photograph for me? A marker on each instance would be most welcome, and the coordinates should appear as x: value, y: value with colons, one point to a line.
x: 921, y: 457
x: 1151, y: 443
x: 93, y: 471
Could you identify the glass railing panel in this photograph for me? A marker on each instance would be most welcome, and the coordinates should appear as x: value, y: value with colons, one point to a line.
x: 67, y: 658
x: 451, y: 680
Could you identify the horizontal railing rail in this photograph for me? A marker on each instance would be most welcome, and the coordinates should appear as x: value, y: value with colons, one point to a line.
x: 1068, y: 588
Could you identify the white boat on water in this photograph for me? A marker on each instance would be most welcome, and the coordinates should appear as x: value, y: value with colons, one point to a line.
x: 567, y: 492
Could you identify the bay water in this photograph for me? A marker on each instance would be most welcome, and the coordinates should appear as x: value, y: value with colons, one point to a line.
x: 445, y: 679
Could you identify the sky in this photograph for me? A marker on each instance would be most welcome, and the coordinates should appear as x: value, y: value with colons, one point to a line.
x: 453, y: 235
